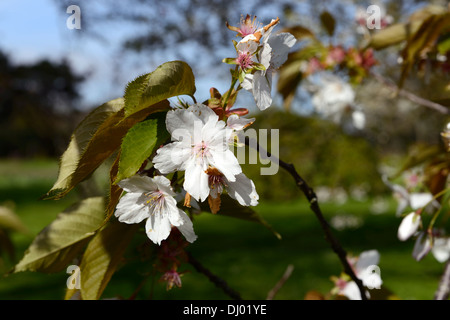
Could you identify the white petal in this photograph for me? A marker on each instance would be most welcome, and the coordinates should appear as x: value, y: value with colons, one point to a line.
x: 351, y: 291
x: 247, y: 84
x: 226, y: 162
x: 131, y: 209
x: 138, y: 184
x: 157, y: 228
x: 172, y: 212
x: 408, y: 226
x: 204, y: 113
x: 420, y: 200
x: 196, y: 182
x: 367, y: 259
x: 238, y: 123
x: 172, y: 157
x: 422, y: 246
x: 247, y: 44
x: 163, y: 184
x: 243, y: 190
x: 187, y: 228
x: 180, y: 119
x: 280, y: 43
x: 359, y: 119
x: 262, y: 87
x: 265, y: 56
x: 441, y: 249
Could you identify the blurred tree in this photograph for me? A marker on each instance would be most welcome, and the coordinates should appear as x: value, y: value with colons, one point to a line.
x: 37, y: 113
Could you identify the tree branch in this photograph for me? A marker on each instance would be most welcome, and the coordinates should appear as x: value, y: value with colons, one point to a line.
x: 411, y: 96
x: 280, y: 282
x: 443, y: 290
x: 314, y: 205
x: 213, y: 278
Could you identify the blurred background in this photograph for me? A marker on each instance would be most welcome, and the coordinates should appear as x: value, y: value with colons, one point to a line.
x: 51, y: 76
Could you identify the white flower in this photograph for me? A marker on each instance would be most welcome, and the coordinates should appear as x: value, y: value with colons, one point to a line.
x: 414, y: 200
x: 365, y: 269
x: 152, y: 199
x: 200, y: 141
x: 273, y: 53
x: 409, y: 226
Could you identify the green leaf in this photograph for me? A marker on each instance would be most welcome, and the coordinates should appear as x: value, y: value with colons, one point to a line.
x: 102, y: 257
x: 59, y: 243
x: 79, y: 142
x: 96, y: 138
x: 140, y: 142
x: 170, y: 79
x: 328, y: 22
x: 231, y: 208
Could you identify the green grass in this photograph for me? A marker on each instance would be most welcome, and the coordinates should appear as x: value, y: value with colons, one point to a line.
x: 246, y: 255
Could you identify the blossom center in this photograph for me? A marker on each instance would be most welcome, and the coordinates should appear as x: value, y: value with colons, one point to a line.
x: 155, y: 200
x: 201, y: 150
x: 216, y: 180
x: 244, y: 60
x: 248, y: 26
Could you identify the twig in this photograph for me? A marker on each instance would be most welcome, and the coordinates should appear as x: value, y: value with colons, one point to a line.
x: 314, y: 205
x: 443, y: 290
x: 213, y: 278
x: 280, y: 282
x: 411, y: 96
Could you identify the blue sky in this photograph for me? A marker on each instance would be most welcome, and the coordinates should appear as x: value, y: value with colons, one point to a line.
x: 31, y: 30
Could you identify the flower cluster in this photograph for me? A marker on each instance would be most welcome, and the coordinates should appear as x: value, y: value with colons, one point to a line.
x: 201, y: 136
x: 365, y: 268
x: 259, y: 54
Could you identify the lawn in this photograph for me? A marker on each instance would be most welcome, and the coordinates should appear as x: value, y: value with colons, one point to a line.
x: 246, y: 255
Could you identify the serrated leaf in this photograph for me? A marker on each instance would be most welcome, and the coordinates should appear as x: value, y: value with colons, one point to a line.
x: 114, y: 190
x: 139, y: 143
x: 97, y: 138
x: 79, y: 141
x: 328, y: 22
x: 102, y: 256
x: 60, y: 242
x: 231, y: 208
x: 173, y: 78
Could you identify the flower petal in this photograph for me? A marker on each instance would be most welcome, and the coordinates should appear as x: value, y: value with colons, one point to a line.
x: 157, y: 227
x: 280, y: 44
x: 172, y: 157
x: 420, y: 200
x: 138, y: 184
x: 262, y: 87
x: 131, y: 209
x: 408, y: 226
x: 441, y: 249
x: 163, y: 184
x: 367, y: 259
x: 196, y: 182
x: 186, y: 228
x: 243, y: 190
x: 226, y: 162
x: 422, y: 246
